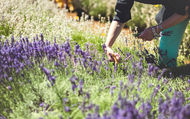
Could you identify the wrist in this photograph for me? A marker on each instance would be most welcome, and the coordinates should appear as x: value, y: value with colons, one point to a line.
x: 156, y: 31
x: 161, y: 28
x: 107, y: 45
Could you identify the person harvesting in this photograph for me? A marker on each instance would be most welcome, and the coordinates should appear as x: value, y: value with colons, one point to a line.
x: 172, y: 20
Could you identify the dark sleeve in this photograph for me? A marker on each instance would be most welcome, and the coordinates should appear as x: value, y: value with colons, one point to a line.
x: 179, y: 6
x: 123, y: 10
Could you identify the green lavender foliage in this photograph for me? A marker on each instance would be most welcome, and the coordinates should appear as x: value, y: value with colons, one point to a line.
x: 5, y: 29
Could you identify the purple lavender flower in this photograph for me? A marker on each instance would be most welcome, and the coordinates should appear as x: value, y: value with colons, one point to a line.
x: 181, y: 77
x: 131, y: 77
x: 100, y: 63
x: 154, y: 93
x: 104, y: 46
x: 47, y: 71
x: 106, y: 67
x: 115, y: 68
x: 149, y: 73
x: 103, y: 57
x: 88, y: 95
x: 47, y: 106
x: 67, y: 72
x: 67, y: 109
x: 47, y: 84
x: 65, y: 63
x: 158, y: 87
x: 73, y: 79
x: 73, y: 87
x: 140, y: 71
x: 150, y: 85
x: 22, y: 74
x: 45, y: 113
x: 112, y: 76
x: 189, y: 81
x: 159, y: 77
x: 115, y: 110
x: 171, y: 75
x: 90, y: 106
x: 9, y: 87
x: 96, y: 114
x: 65, y: 100
x: 163, y: 71
x: 107, y: 87
x: 56, y: 63
x: 42, y: 37
x: 121, y: 85
x: 170, y: 89
x: 185, y: 112
x: 41, y: 104
x: 60, y: 116
x: 10, y: 78
x: 84, y: 62
x: 111, y: 90
x: 52, y: 78
x: 80, y: 87
x: 120, y: 50
x: 5, y: 76
x: 53, y: 71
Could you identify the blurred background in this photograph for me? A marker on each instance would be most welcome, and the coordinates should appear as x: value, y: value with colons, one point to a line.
x: 142, y: 15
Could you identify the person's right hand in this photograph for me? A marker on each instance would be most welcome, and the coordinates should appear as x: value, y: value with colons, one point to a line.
x: 109, y: 53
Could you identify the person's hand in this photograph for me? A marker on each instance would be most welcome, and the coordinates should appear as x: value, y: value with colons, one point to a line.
x: 112, y: 56
x: 109, y: 53
x: 147, y: 34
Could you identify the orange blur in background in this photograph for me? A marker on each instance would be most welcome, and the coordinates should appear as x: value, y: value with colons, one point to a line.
x: 69, y: 5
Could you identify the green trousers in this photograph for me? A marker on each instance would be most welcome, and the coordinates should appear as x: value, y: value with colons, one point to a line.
x: 170, y: 42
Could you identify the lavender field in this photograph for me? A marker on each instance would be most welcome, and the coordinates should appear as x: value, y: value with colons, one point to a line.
x: 58, y: 70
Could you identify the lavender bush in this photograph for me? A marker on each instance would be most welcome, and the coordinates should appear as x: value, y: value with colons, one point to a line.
x: 41, y: 79
x: 69, y: 76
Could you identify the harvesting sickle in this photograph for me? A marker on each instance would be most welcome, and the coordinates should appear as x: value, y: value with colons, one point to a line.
x: 116, y: 57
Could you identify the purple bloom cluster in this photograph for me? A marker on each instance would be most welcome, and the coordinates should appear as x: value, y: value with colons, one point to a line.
x: 125, y: 108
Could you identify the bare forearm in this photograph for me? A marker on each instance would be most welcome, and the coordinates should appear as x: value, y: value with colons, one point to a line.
x: 173, y: 20
x: 113, y: 33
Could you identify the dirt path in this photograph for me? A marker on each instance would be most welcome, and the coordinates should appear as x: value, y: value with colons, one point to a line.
x: 95, y: 23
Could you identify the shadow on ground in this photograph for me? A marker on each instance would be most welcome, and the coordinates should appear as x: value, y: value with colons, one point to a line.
x: 179, y: 71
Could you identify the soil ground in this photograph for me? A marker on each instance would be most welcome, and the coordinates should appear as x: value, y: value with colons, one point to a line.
x: 95, y: 23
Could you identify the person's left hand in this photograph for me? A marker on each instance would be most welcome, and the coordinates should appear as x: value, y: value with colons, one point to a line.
x: 147, y: 34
